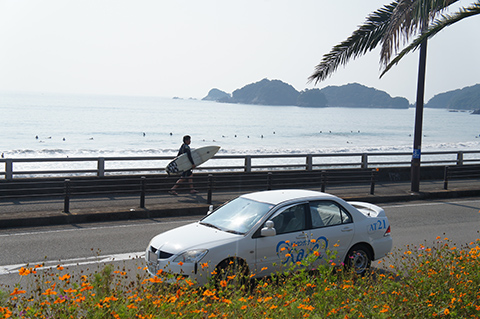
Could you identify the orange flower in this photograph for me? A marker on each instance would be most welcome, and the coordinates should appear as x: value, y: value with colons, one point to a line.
x: 49, y: 292
x: 155, y: 279
x: 313, y: 240
x: 71, y: 290
x: 223, y: 283
x: 181, y: 263
x: 64, y: 277
x: 24, y: 271
x: 17, y: 292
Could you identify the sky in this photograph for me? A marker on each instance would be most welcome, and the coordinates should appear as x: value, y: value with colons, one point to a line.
x: 184, y: 48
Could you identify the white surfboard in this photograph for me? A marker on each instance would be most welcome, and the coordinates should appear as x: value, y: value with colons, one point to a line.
x: 199, y: 155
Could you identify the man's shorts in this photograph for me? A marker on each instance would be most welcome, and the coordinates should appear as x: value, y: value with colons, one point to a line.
x: 187, y: 173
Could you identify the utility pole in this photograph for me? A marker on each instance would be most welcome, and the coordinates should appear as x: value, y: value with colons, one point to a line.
x: 417, y: 139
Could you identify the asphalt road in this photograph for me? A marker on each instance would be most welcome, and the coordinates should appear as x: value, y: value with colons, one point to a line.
x: 90, y: 246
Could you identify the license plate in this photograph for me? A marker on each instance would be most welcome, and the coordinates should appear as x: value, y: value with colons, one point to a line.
x: 153, y: 258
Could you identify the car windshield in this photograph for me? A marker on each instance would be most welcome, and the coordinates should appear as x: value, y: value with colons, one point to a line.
x: 237, y: 216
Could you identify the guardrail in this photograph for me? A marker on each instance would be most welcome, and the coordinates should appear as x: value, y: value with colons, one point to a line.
x: 108, y: 166
x: 460, y: 172
x: 210, y: 183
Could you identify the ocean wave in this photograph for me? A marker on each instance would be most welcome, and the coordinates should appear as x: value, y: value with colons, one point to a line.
x: 128, y: 152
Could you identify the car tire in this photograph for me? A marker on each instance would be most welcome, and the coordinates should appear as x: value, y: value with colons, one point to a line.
x: 359, y: 258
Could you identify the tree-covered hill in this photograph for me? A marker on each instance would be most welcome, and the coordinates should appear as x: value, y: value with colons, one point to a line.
x: 467, y: 98
x: 276, y: 92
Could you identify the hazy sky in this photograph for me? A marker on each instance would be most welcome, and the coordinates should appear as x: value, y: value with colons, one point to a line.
x: 187, y: 47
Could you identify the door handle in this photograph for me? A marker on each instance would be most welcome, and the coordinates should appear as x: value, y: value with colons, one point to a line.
x: 347, y: 229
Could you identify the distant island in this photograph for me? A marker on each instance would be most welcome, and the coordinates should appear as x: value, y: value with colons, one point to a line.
x: 467, y: 98
x: 276, y: 92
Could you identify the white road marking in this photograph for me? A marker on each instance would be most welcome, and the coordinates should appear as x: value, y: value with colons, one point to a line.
x: 94, y: 228
x: 431, y: 204
x: 12, y: 269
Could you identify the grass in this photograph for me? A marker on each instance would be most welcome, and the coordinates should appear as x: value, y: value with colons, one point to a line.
x: 438, y: 280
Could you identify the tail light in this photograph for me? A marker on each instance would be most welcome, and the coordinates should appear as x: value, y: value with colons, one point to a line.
x: 387, y: 233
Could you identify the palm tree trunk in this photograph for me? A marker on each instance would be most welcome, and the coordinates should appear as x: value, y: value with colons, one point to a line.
x: 417, y: 140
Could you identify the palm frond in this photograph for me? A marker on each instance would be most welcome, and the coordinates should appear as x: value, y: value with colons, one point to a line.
x: 439, y: 24
x: 364, y: 39
x: 409, y: 18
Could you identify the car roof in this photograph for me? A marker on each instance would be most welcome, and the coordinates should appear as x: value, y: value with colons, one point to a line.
x: 276, y: 197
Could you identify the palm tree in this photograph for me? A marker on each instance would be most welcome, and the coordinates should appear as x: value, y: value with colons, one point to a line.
x: 390, y: 26
x: 437, y: 26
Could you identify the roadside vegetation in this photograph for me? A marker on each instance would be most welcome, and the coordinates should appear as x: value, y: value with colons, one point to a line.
x: 439, y: 280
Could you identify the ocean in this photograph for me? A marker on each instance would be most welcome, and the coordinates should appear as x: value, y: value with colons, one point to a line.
x: 56, y: 125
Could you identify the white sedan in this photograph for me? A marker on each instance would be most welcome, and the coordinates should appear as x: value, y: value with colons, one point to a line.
x: 265, y: 232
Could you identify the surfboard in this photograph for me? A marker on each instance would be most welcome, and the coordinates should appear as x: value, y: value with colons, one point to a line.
x: 199, y: 155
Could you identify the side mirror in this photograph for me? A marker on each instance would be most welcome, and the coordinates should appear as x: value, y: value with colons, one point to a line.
x: 268, y: 230
x: 210, y: 209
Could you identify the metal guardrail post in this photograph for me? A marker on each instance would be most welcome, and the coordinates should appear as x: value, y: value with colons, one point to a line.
x: 248, y: 163
x: 309, y: 162
x: 143, y: 181
x: 210, y: 189
x: 269, y: 181
x: 101, y: 167
x: 372, y: 182
x: 323, y: 180
x: 445, y: 178
x: 9, y: 169
x: 460, y: 158
x: 66, y: 202
x: 365, y: 160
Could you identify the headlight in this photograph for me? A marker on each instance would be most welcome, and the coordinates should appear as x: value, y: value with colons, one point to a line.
x: 191, y: 256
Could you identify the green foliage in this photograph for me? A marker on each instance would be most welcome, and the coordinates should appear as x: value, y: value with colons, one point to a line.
x: 435, y: 280
x: 467, y: 98
x: 357, y: 95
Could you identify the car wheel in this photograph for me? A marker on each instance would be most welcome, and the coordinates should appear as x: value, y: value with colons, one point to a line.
x: 359, y: 258
x: 231, y: 271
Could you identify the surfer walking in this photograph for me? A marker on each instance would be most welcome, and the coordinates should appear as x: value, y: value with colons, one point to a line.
x: 186, y: 175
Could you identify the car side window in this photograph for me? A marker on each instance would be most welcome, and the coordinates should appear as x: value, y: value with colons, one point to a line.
x: 328, y: 213
x: 290, y: 220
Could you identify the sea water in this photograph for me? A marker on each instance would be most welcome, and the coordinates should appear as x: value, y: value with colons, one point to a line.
x: 55, y: 125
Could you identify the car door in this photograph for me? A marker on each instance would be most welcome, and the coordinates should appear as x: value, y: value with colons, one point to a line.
x: 332, y: 229
x: 290, y: 243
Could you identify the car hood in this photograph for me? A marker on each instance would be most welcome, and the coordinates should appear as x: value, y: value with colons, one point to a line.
x: 191, y: 236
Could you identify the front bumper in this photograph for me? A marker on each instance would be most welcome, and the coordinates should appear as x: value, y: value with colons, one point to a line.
x: 199, y: 273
